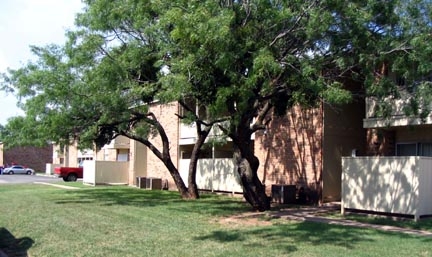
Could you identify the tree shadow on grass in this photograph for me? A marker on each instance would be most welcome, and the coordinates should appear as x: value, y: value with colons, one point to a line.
x: 286, y: 237
x: 12, y: 246
x: 210, y: 204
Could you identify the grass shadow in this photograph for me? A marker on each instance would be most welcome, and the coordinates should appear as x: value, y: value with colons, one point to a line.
x: 286, y: 237
x: 210, y: 204
x: 12, y: 246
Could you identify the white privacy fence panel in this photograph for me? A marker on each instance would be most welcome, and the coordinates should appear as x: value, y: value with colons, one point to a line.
x: 398, y: 185
x: 105, y: 172
x: 213, y: 174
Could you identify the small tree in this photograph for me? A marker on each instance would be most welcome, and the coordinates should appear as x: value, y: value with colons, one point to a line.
x: 99, y: 86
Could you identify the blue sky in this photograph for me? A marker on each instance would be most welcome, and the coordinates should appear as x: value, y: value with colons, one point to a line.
x: 30, y: 22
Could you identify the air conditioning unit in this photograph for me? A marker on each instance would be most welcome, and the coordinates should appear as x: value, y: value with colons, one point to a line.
x: 149, y: 183
x: 154, y: 183
x: 140, y: 182
x: 283, y: 194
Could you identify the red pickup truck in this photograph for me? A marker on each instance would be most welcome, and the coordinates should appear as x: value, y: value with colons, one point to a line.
x: 69, y: 173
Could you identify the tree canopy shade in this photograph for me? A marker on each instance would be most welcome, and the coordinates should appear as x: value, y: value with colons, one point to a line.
x: 240, y: 60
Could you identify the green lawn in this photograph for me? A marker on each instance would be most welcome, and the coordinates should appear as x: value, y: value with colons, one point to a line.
x: 124, y: 221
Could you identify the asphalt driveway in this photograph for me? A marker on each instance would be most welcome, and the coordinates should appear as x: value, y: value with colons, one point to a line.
x: 26, y: 179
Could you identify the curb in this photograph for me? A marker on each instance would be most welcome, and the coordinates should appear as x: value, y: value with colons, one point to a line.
x: 45, y: 175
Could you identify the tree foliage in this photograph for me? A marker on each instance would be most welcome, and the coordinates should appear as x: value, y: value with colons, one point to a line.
x: 240, y: 60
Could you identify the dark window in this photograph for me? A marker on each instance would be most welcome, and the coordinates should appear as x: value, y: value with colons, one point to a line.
x: 414, y: 149
x: 406, y: 149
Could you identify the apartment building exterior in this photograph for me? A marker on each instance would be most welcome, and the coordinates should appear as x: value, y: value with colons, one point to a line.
x: 302, y: 148
x: 395, y: 175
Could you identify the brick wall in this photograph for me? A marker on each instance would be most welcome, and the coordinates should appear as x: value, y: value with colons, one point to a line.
x: 33, y: 157
x: 108, y: 154
x: 290, y: 150
x: 166, y: 116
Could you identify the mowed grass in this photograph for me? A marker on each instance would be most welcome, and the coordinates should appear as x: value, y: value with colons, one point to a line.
x: 124, y: 221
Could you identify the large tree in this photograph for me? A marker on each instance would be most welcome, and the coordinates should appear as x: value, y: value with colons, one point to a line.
x: 245, y: 59
x: 240, y: 60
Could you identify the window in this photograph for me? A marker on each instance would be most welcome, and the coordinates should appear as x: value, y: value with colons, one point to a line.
x: 425, y: 149
x: 82, y: 159
x: 414, y: 149
x: 122, y: 155
x: 406, y: 149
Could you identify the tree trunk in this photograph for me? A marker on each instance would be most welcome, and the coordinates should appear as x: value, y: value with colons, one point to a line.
x: 196, y: 151
x: 181, y: 187
x: 165, y: 157
x: 253, y: 189
x: 192, y: 186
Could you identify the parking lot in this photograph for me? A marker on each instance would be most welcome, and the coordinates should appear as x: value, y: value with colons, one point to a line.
x: 26, y: 179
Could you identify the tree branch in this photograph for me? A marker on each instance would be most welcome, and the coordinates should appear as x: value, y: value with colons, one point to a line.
x: 296, y: 23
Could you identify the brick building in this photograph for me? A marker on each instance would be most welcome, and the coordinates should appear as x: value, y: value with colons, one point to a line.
x: 29, y: 156
x: 302, y: 148
x: 166, y: 115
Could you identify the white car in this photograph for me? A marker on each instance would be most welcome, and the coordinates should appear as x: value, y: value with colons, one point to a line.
x: 17, y: 169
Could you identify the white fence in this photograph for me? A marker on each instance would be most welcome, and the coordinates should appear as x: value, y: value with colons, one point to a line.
x: 395, y: 185
x: 213, y: 174
x: 49, y: 168
x: 105, y: 172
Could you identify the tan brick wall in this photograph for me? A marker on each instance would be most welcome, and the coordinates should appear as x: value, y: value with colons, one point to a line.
x: 72, y: 161
x: 137, y: 161
x: 166, y: 116
x: 290, y: 149
x: 32, y: 157
x: 107, y: 155
x: 101, y: 154
x: 58, y: 155
x: 343, y: 132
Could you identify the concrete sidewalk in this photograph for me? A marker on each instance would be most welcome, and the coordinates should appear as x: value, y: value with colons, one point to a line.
x: 317, y: 214
x: 55, y: 185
